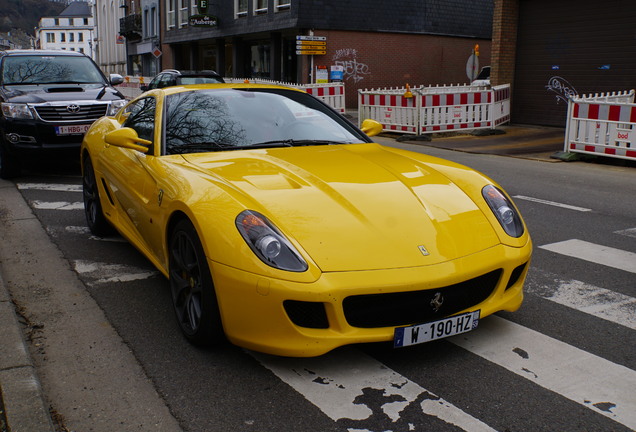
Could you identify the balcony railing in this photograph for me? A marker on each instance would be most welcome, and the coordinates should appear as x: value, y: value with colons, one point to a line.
x: 130, y: 27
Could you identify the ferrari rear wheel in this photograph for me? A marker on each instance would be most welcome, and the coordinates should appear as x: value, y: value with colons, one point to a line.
x: 193, y: 294
x: 95, y: 218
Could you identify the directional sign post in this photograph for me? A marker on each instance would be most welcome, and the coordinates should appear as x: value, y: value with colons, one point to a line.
x: 311, y: 45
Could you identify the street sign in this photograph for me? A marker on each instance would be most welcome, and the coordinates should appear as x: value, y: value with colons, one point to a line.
x: 311, y: 38
x: 304, y: 43
x: 310, y: 52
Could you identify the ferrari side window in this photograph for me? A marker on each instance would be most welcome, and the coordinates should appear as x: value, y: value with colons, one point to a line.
x: 142, y: 118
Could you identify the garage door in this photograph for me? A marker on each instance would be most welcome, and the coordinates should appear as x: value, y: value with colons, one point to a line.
x: 566, y: 47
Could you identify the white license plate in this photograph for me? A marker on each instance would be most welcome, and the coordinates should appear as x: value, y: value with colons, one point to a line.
x: 71, y: 130
x: 417, y: 334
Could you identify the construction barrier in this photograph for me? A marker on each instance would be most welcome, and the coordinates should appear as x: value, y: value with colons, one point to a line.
x: 333, y: 94
x: 602, y: 125
x: 436, y: 109
x: 391, y: 108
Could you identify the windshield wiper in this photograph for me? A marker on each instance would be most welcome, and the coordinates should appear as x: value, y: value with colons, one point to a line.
x: 266, y: 144
x: 307, y: 142
x: 201, y: 147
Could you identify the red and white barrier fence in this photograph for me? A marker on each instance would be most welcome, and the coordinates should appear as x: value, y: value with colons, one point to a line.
x: 602, y: 125
x: 436, y: 109
x: 333, y: 94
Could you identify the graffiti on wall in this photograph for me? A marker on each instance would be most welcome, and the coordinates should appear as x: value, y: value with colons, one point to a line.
x: 348, y: 59
x: 561, y: 88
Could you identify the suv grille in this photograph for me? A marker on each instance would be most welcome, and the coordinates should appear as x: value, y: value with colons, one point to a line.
x: 57, y: 113
x: 412, y: 307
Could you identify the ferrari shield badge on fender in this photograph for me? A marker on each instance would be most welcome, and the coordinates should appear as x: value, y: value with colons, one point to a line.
x: 423, y: 250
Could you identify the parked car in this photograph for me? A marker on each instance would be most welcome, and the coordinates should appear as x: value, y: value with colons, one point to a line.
x: 483, y: 79
x: 173, y: 77
x: 283, y: 227
x: 49, y: 99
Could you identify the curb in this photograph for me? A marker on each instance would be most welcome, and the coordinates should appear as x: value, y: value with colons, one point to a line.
x: 20, y: 390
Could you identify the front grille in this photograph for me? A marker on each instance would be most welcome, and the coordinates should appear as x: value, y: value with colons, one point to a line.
x: 405, y: 308
x: 60, y: 113
x: 515, y: 275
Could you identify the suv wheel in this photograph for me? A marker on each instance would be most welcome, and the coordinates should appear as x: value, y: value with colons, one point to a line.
x: 9, y: 164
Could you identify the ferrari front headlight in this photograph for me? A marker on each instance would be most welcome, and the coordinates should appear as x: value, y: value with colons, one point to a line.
x: 268, y: 243
x: 504, y: 210
x: 16, y: 110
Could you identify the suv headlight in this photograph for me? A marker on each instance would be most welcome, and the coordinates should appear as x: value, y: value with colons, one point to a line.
x: 504, y: 210
x: 115, y: 106
x: 268, y: 243
x: 16, y: 110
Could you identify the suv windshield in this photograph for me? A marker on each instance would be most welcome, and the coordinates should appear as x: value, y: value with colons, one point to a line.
x: 49, y: 70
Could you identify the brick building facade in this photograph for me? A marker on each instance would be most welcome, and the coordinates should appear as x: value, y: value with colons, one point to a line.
x: 378, y: 43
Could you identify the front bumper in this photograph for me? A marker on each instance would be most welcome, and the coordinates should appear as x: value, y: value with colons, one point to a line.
x: 30, y: 135
x: 256, y: 310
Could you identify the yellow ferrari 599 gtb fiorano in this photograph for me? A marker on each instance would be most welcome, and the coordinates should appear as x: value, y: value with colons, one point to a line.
x: 283, y: 228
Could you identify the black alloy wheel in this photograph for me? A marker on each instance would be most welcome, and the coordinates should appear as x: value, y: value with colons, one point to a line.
x: 193, y: 294
x: 95, y: 218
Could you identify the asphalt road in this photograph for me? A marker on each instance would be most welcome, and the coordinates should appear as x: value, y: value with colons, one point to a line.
x: 565, y: 361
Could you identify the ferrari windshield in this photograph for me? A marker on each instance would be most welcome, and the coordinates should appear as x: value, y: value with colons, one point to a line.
x: 49, y: 69
x: 232, y: 119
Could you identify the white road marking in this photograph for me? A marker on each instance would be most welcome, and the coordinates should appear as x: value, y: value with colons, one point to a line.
x: 552, y: 203
x: 50, y: 187
x: 596, y: 383
x: 340, y: 383
x: 102, y: 273
x: 58, y: 205
x: 615, y: 258
x: 630, y: 232
x: 599, y: 302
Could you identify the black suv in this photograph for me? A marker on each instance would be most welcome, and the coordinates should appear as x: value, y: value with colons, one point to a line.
x: 49, y: 99
x: 173, y: 77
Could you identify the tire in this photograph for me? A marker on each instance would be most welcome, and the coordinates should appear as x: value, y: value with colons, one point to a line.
x: 9, y: 164
x: 193, y: 294
x: 95, y: 218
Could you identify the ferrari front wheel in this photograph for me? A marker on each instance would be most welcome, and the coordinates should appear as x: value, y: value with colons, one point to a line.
x: 95, y: 218
x: 193, y: 294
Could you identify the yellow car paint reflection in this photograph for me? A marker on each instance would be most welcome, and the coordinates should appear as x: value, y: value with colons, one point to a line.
x: 350, y: 239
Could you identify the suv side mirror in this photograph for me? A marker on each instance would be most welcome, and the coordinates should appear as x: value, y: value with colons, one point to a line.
x: 116, y: 79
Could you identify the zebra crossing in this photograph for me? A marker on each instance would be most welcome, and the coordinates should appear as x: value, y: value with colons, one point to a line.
x: 360, y: 393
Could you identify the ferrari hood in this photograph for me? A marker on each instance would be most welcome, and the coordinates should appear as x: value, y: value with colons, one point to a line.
x: 356, y: 207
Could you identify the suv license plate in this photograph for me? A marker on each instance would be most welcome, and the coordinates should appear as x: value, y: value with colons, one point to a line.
x: 417, y: 334
x: 72, y: 130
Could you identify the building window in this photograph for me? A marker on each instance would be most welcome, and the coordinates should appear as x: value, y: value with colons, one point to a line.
x: 50, y: 37
x: 194, y: 10
x: 71, y: 37
x: 85, y: 21
x: 63, y: 37
x: 145, y: 25
x: 282, y: 4
x: 260, y: 7
x: 184, y: 13
x: 81, y: 50
x: 57, y: 21
x: 240, y: 6
x: 171, y: 6
x: 80, y: 37
x: 153, y: 21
